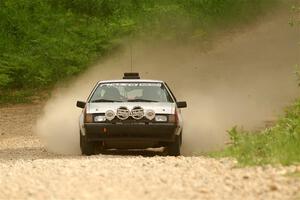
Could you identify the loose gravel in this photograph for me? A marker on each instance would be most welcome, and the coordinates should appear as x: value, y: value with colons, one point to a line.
x: 28, y: 171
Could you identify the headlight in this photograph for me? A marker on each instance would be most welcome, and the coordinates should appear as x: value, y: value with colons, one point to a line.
x: 100, y: 118
x: 161, y: 118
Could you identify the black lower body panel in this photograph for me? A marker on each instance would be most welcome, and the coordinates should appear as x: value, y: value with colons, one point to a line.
x: 131, y: 135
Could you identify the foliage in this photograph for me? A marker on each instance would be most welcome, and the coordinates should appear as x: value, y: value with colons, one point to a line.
x: 295, y: 15
x: 45, y: 41
x: 277, y: 145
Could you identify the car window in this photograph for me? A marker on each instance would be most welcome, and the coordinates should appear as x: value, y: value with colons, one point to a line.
x: 131, y: 92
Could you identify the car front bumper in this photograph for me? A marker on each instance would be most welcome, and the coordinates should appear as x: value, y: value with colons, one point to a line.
x: 156, y: 132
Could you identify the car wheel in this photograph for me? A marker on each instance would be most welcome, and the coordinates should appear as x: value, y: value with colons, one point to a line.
x: 87, y: 148
x: 174, y: 148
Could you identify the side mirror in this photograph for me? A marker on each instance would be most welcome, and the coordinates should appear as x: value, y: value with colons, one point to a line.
x: 181, y: 104
x: 80, y: 104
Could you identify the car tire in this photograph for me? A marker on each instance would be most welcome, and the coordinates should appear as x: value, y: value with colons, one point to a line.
x: 87, y: 147
x: 174, y: 148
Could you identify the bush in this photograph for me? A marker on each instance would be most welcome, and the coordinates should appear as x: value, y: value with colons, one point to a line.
x: 45, y: 41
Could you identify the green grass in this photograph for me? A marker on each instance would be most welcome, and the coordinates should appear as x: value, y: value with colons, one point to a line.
x: 24, y: 96
x: 43, y: 42
x: 277, y: 145
x: 16, y: 97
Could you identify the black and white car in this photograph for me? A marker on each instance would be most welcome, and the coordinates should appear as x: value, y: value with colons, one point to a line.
x: 131, y: 113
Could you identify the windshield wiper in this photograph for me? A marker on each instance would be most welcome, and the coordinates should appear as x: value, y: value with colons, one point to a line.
x: 104, y: 100
x: 141, y: 100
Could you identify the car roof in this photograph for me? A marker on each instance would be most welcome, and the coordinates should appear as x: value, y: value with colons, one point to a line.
x: 130, y: 80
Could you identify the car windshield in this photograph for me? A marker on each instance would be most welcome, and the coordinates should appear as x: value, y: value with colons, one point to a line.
x: 131, y: 92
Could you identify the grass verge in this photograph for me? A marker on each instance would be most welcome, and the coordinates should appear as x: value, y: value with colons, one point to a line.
x: 24, y: 96
x: 277, y: 145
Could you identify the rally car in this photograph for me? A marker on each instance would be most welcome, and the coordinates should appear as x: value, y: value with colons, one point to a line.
x: 131, y: 113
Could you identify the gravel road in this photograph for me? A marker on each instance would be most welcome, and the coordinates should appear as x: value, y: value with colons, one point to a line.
x: 28, y: 171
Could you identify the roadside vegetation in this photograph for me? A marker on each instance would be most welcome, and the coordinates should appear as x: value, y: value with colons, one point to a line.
x: 277, y: 145
x: 43, y: 42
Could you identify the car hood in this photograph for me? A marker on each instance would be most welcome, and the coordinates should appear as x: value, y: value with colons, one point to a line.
x: 160, y: 108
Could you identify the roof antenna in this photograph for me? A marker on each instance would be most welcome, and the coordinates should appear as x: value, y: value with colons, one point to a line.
x: 131, y: 59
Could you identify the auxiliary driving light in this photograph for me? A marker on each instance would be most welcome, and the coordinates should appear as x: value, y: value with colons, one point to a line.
x: 161, y: 118
x: 110, y: 115
x: 150, y: 114
x: 137, y: 112
x: 123, y: 113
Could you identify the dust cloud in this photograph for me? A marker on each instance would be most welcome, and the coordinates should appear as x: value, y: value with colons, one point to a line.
x: 245, y: 80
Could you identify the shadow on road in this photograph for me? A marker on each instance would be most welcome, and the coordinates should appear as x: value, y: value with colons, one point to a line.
x: 145, y: 153
x: 34, y: 153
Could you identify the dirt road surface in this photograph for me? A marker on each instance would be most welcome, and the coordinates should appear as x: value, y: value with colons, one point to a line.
x: 28, y: 171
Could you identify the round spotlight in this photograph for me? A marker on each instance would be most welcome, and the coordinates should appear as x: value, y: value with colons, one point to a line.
x: 123, y: 113
x: 137, y: 112
x: 150, y: 114
x: 110, y: 115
